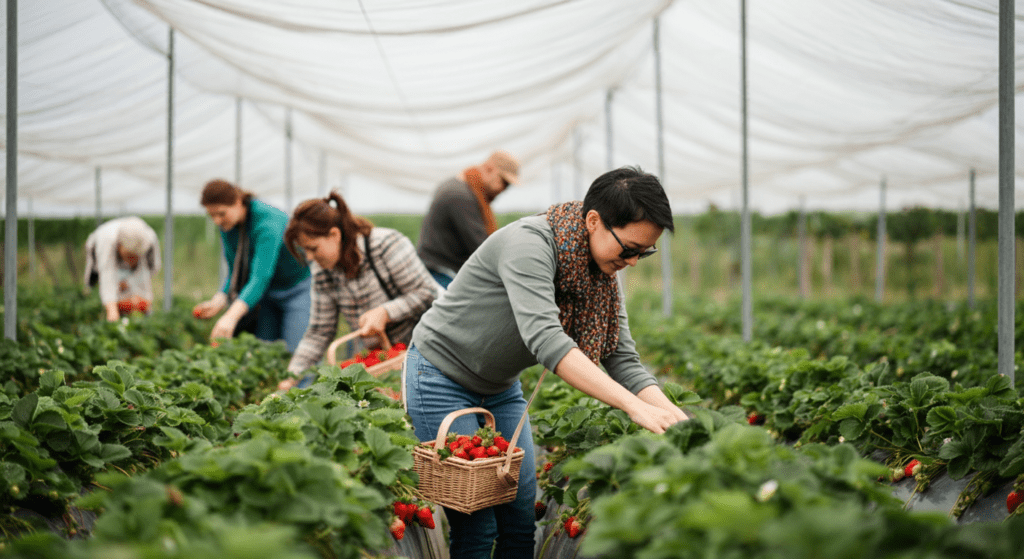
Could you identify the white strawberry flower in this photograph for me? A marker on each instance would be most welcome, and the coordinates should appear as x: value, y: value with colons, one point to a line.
x: 767, y: 490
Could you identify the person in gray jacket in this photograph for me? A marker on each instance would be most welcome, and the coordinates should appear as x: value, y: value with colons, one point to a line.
x: 540, y: 290
x: 460, y: 216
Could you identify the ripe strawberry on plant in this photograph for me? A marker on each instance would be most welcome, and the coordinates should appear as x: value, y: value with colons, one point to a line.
x: 548, y: 466
x: 1013, y: 500
x: 755, y: 418
x: 425, y: 516
x: 397, y: 528
x: 540, y: 508
x: 912, y: 468
x: 572, y: 527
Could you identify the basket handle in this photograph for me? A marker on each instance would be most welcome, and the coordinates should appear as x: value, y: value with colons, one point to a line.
x: 442, y: 431
x: 332, y: 350
x: 503, y: 470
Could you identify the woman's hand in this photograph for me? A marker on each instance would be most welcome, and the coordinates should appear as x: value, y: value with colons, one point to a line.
x: 225, y: 325
x: 373, y: 321
x: 207, y: 309
x: 653, y: 418
x: 650, y: 409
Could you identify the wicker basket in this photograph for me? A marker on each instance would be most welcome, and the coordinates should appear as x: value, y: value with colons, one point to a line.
x: 466, y: 485
x: 392, y: 364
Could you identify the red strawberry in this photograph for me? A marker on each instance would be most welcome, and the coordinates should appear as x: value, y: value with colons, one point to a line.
x: 912, y: 468
x: 548, y: 466
x: 478, y: 452
x: 755, y: 418
x: 493, y: 450
x: 124, y: 306
x: 476, y: 440
x: 462, y: 439
x: 540, y: 508
x: 195, y: 313
x: 573, y: 527
x: 397, y: 528
x: 501, y: 443
x: 143, y: 306
x: 461, y: 453
x: 1013, y: 500
x: 425, y: 516
x: 399, y: 347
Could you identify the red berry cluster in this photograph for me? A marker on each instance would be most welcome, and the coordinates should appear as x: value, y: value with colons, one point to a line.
x: 407, y: 512
x: 126, y: 306
x: 485, y: 443
x: 370, y: 358
x: 572, y: 526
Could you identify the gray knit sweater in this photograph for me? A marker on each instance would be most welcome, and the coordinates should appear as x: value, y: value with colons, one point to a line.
x: 499, y: 316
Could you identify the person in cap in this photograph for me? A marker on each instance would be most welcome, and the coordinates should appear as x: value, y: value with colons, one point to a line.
x: 121, y: 256
x: 539, y: 290
x: 460, y: 216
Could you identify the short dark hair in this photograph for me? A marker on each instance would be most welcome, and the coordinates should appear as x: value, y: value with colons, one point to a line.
x: 627, y: 195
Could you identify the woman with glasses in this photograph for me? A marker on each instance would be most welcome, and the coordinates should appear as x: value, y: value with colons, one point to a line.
x: 540, y: 290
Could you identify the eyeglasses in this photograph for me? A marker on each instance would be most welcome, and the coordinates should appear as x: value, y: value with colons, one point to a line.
x: 627, y: 252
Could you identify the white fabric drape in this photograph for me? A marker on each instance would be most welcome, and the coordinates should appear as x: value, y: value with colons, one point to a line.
x: 398, y: 95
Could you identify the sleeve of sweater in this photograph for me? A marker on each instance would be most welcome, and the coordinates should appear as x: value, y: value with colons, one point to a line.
x: 323, y: 324
x: 623, y: 364
x: 416, y: 288
x: 526, y: 267
x: 267, y: 238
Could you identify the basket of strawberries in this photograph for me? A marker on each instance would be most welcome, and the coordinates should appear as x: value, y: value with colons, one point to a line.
x: 386, y: 358
x: 468, y: 472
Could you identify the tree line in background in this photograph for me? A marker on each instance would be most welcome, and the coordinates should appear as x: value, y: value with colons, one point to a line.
x: 793, y: 252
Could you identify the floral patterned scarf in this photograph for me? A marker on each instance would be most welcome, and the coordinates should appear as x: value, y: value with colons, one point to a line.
x: 587, y: 298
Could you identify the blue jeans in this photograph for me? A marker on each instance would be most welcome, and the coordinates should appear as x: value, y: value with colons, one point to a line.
x: 441, y: 278
x: 284, y: 313
x: 509, y: 528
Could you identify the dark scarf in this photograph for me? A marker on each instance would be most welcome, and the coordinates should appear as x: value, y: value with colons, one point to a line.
x: 587, y: 298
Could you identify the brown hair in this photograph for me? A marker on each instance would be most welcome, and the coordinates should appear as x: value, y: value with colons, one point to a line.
x: 314, y: 218
x: 223, y: 193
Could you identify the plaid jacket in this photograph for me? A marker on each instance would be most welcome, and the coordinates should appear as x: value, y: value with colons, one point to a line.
x: 333, y: 294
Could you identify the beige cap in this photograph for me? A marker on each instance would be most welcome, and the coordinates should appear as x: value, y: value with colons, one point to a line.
x: 131, y: 236
x: 507, y: 166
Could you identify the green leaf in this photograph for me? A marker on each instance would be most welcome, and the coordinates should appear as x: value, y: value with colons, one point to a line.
x: 49, y: 381
x: 942, y: 418
x: 25, y: 409
x: 1013, y: 463
x: 855, y: 410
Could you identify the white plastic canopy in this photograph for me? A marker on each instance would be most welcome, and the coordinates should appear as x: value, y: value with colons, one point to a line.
x: 387, y: 98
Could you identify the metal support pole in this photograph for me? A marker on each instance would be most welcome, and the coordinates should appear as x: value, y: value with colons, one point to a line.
x: 666, y: 240
x: 1007, y: 240
x: 288, y: 161
x: 31, y: 241
x: 608, y: 136
x: 577, y: 165
x: 745, y: 256
x: 169, y: 217
x: 11, y: 213
x: 321, y: 187
x: 880, y: 261
x: 99, y: 195
x: 972, y: 239
x: 238, y: 141
x: 802, y: 260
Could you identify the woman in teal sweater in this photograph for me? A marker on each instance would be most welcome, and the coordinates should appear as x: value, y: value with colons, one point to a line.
x: 264, y: 280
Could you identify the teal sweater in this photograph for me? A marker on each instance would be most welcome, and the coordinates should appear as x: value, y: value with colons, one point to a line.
x: 272, y: 266
x: 499, y: 316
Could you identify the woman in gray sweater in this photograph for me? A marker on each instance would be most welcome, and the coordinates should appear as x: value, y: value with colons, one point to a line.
x: 540, y: 290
